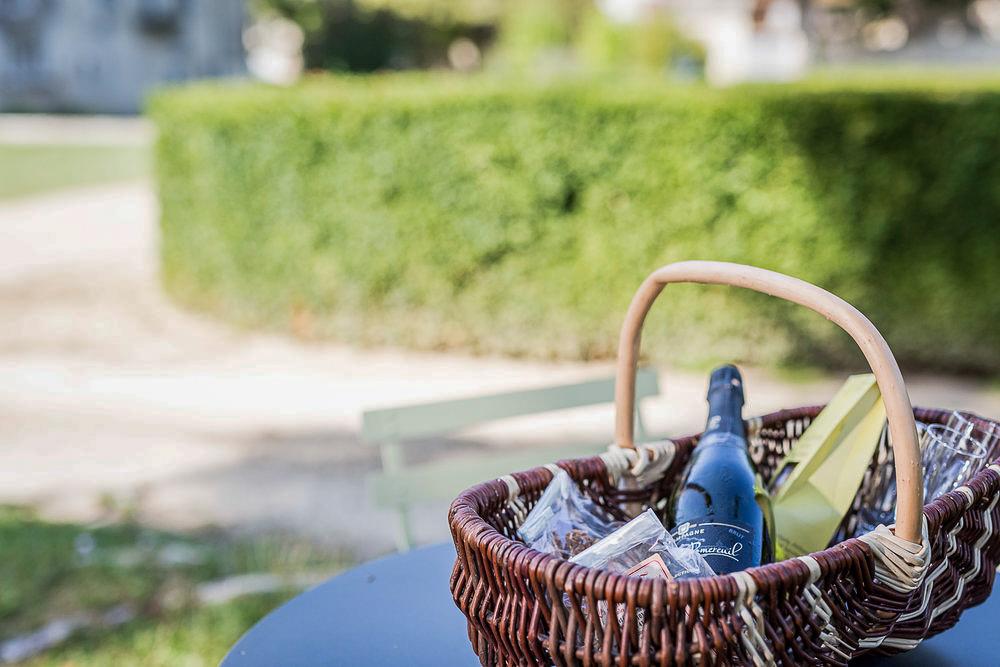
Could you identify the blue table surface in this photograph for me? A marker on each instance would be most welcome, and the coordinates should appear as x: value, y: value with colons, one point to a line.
x: 398, y: 611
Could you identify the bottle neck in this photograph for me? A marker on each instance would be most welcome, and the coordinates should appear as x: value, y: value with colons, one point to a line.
x: 725, y: 413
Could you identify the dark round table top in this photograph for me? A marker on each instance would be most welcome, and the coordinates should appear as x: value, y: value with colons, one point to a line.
x: 398, y: 611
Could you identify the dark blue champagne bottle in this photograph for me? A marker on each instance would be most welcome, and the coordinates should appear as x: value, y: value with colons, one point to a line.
x: 715, y: 508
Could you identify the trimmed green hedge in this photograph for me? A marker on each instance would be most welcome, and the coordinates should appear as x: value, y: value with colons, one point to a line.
x: 474, y: 214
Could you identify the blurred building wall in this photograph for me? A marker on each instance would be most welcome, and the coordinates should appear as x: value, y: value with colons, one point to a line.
x: 103, y: 56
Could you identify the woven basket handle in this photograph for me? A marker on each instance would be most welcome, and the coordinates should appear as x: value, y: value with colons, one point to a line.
x: 899, y: 412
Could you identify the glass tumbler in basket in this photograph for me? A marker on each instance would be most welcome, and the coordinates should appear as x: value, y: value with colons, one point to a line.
x: 951, y: 454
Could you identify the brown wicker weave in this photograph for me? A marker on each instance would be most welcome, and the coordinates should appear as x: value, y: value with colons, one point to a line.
x: 875, y: 593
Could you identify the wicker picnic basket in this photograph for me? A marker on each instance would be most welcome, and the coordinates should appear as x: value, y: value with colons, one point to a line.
x: 885, y: 591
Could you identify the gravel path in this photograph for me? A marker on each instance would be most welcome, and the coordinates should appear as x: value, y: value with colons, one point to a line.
x: 112, y: 394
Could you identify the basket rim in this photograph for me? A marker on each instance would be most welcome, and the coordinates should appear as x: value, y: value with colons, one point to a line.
x: 471, y: 531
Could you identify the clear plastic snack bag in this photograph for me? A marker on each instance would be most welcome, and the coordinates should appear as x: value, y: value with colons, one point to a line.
x: 643, y: 547
x: 564, y: 521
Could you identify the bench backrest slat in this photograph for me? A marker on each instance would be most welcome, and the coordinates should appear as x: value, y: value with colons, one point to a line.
x: 444, y: 417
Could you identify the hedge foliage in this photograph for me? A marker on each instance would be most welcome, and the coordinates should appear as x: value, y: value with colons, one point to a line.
x: 438, y: 212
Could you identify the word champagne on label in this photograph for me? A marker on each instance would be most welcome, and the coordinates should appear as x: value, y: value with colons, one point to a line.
x: 715, y: 510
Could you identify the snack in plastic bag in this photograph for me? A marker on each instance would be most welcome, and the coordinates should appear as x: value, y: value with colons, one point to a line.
x: 643, y: 547
x: 564, y: 521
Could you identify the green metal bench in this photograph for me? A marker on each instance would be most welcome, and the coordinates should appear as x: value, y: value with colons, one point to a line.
x: 398, y: 486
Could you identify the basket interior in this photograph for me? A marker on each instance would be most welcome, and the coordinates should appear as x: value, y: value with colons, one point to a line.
x: 768, y: 446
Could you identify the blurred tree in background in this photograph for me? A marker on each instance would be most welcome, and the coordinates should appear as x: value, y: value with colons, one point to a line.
x: 534, y: 30
x: 535, y: 33
x: 471, y: 12
x: 369, y: 35
x: 655, y: 43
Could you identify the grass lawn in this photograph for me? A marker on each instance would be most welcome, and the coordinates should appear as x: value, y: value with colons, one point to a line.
x: 26, y: 170
x: 200, y: 637
x: 51, y: 571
